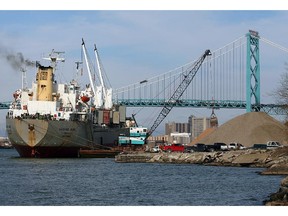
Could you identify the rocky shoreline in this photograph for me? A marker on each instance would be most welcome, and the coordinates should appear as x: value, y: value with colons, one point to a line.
x: 275, y: 161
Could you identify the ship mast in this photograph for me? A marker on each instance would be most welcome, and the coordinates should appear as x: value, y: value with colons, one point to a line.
x: 102, y: 95
x: 100, y: 72
x: 88, y: 67
x: 53, y: 57
x: 107, y: 92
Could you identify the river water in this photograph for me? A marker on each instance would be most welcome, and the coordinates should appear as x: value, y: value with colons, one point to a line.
x: 102, y: 182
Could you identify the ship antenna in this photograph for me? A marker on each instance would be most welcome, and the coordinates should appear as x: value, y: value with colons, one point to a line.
x: 24, y: 78
x: 54, y: 57
x: 77, y: 69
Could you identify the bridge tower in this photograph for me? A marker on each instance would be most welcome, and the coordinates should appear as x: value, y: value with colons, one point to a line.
x: 252, y: 72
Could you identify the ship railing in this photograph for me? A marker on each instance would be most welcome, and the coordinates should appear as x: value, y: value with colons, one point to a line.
x: 73, y: 116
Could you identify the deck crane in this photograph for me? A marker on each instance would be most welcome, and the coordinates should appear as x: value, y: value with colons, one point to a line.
x: 178, y: 92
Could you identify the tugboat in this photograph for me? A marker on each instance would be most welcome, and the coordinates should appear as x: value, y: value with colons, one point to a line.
x: 4, y: 143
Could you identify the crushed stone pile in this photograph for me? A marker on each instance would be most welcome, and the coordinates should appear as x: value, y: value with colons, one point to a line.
x: 202, y: 135
x: 248, y: 129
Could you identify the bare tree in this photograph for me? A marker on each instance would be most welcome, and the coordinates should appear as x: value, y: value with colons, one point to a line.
x: 281, y: 92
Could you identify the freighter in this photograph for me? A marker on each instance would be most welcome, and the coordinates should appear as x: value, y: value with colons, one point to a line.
x: 51, y: 119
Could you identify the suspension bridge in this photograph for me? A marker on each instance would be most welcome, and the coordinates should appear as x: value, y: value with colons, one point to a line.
x: 229, y: 78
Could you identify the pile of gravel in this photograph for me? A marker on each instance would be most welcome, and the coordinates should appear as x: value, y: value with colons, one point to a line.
x: 248, y: 129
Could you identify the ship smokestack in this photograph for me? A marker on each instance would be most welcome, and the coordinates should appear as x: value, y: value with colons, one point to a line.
x: 44, y: 83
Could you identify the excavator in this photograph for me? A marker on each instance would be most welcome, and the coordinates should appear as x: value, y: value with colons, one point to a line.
x: 178, y: 92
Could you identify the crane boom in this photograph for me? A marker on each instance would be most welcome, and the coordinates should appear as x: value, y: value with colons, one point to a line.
x: 178, y: 92
x: 88, y: 66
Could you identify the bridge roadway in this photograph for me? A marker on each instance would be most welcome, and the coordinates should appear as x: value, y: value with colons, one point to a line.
x: 271, y: 109
x: 4, y: 105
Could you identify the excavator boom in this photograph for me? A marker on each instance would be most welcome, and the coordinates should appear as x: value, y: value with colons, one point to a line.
x: 178, y: 92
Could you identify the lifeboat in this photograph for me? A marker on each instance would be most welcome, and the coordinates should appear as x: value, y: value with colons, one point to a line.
x: 85, y: 99
x: 15, y: 95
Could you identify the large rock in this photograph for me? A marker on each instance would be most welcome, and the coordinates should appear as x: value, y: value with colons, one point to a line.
x: 278, y: 164
x: 279, y: 198
x: 276, y: 169
x: 248, y: 159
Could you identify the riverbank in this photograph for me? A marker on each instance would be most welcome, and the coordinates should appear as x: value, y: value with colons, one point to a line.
x: 275, y: 161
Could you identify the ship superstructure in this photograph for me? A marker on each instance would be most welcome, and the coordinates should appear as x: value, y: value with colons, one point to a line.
x: 53, y: 119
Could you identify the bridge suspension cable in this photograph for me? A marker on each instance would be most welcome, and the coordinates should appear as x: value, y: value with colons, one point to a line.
x: 274, y: 44
x: 221, y: 79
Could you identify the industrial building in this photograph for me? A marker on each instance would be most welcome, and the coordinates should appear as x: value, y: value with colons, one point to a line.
x: 187, y: 132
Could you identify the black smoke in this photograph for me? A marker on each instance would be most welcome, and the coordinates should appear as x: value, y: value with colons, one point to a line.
x: 16, y: 60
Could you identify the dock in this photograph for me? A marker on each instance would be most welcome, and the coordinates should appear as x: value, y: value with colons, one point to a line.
x: 98, y: 153
x: 110, y: 152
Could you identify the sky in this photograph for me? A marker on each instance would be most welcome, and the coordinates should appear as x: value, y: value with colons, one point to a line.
x: 135, y: 44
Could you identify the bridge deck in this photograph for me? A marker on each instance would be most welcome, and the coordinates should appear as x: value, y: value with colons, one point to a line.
x: 272, y: 109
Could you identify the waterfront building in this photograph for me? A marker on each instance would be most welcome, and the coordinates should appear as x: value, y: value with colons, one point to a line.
x: 173, y: 127
x: 198, y: 125
x: 183, y: 138
x: 181, y: 129
x: 188, y: 131
x: 157, y: 140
